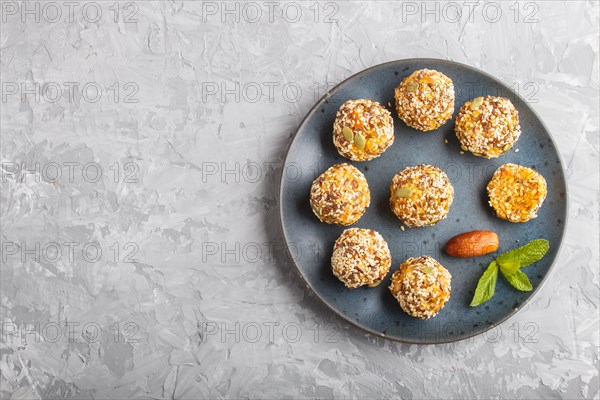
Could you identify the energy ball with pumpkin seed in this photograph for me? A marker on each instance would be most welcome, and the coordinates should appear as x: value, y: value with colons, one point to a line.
x: 363, y: 130
x: 488, y: 126
x: 425, y: 99
x: 421, y: 286
x: 516, y: 193
x: 421, y: 195
x: 360, y: 257
x: 340, y: 195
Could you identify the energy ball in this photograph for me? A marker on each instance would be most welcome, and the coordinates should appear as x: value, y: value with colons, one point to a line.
x: 425, y: 99
x: 340, y: 195
x: 362, y: 130
x: 421, y: 195
x: 360, y: 257
x: 421, y: 286
x: 487, y: 126
x: 516, y: 193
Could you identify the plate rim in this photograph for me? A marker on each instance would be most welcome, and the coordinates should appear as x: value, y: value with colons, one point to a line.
x: 366, y: 329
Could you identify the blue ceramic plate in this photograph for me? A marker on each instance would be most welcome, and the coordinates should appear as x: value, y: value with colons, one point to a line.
x: 374, y: 309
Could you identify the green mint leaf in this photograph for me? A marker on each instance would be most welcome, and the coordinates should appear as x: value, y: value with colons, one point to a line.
x: 527, y: 255
x: 519, y: 281
x: 486, y: 285
x: 509, y: 265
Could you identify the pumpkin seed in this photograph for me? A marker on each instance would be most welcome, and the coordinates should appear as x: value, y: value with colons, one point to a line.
x: 412, y: 86
x: 348, y: 134
x: 476, y: 103
x: 403, y: 192
x: 360, y: 141
x: 428, y: 269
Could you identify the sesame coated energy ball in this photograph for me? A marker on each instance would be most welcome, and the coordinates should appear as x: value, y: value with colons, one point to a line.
x: 421, y: 195
x: 340, y: 195
x: 421, y: 286
x: 363, y: 130
x: 516, y: 193
x: 488, y: 126
x: 425, y: 99
x: 360, y: 257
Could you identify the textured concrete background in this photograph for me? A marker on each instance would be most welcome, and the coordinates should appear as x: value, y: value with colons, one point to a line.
x: 141, y: 148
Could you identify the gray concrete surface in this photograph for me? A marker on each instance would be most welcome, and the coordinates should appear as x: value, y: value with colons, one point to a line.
x: 141, y: 145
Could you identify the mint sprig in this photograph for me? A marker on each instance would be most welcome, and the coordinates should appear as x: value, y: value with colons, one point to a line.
x: 510, y: 264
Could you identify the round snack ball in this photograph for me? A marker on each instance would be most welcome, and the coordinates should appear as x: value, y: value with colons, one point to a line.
x: 516, y: 193
x: 363, y: 130
x: 421, y: 286
x: 421, y: 195
x: 340, y: 195
x: 487, y: 126
x: 425, y: 99
x: 360, y: 257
